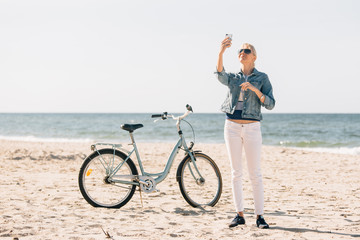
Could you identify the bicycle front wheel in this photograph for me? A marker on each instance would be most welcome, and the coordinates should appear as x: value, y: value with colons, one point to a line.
x: 96, y: 185
x: 200, y: 181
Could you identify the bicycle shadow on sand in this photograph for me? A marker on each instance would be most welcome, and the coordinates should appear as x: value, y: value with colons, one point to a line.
x: 199, y: 211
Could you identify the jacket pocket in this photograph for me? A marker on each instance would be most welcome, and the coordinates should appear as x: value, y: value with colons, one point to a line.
x: 256, y: 83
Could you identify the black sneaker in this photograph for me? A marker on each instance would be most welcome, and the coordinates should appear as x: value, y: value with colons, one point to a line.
x: 237, y: 221
x: 260, y: 222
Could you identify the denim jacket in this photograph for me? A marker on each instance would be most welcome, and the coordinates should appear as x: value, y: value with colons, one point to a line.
x: 252, y: 103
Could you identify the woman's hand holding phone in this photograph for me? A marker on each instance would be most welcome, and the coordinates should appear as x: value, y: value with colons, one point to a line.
x: 226, y: 43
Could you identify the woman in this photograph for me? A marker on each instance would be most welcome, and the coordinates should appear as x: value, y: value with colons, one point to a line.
x: 248, y: 91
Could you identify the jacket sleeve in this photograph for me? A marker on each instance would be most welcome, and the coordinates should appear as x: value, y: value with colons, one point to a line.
x: 267, y: 90
x: 223, y: 77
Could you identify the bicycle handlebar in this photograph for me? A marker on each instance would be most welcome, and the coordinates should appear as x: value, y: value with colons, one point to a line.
x: 162, y: 116
x: 179, y: 118
x: 165, y: 114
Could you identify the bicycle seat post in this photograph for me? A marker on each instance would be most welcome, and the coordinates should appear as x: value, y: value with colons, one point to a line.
x: 132, y: 138
x: 136, y: 151
x: 131, y: 128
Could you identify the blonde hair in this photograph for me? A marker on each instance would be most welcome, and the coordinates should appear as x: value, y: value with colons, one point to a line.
x: 251, y: 47
x: 253, y: 51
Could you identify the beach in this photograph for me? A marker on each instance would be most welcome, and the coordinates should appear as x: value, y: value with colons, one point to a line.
x: 308, y: 195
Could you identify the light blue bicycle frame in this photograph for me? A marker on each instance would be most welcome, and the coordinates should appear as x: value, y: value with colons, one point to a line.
x: 158, y: 177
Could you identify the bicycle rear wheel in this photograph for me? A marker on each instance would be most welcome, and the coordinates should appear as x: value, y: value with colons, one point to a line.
x: 200, y: 182
x: 95, y: 185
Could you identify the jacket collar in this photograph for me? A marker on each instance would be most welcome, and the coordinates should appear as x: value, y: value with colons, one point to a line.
x: 254, y: 72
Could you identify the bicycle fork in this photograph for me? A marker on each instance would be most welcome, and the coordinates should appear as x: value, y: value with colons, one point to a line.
x: 200, y: 180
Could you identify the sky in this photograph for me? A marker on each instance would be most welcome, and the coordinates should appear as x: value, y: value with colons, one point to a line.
x: 159, y: 55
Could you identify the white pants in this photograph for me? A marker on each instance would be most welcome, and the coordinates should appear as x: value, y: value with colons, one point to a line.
x: 247, y: 136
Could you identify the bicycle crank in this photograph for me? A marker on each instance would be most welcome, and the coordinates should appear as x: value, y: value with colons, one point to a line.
x: 147, y: 184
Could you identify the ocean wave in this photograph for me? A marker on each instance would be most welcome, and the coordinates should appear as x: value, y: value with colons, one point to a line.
x: 303, y: 144
x: 336, y: 150
x: 321, y: 146
x: 339, y: 150
x: 39, y: 139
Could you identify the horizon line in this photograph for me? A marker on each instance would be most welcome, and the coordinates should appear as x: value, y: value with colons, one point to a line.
x: 173, y: 112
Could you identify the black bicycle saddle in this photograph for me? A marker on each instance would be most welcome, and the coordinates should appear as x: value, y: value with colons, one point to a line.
x: 131, y: 127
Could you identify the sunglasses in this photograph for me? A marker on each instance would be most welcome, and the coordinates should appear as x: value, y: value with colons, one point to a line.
x: 246, y: 51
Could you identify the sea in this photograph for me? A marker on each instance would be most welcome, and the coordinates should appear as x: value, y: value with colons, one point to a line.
x: 335, y: 133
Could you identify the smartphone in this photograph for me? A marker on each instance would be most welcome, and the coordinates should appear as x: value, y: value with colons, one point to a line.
x: 229, y: 35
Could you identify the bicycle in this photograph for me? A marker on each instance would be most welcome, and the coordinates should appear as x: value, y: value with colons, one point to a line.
x: 108, y: 177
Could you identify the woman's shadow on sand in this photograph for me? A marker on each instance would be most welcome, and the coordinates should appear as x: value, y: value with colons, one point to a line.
x: 201, y: 211
x: 302, y: 230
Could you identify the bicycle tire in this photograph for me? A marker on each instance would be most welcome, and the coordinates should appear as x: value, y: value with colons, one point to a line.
x: 94, y: 184
x: 194, y: 190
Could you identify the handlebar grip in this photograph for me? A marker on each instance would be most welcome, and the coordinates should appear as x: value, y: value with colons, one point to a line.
x: 156, y: 115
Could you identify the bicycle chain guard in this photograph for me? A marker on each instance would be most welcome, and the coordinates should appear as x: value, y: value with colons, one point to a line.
x: 147, y: 184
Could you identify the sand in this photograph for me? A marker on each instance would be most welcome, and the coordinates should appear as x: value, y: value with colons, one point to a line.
x: 308, y: 195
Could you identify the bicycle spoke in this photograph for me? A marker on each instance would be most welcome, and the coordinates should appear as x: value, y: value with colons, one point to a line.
x: 200, y: 181
x: 98, y: 187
